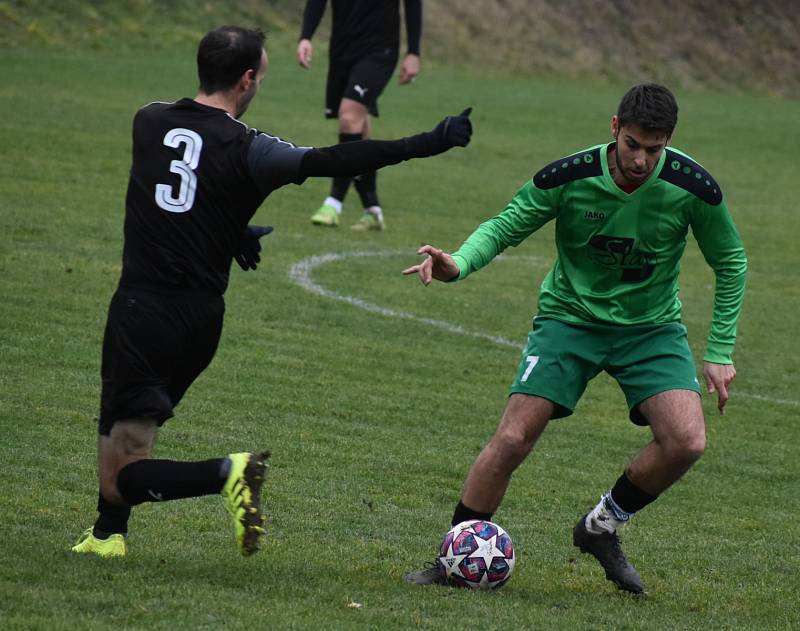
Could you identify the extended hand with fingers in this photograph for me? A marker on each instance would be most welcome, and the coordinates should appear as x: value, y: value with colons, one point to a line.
x: 438, y: 264
x: 249, y: 254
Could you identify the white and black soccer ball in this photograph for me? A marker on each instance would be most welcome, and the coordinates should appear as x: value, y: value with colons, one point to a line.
x: 477, y: 554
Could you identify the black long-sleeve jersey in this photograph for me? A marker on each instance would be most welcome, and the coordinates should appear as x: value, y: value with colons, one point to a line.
x: 199, y: 175
x: 362, y: 26
x: 191, y: 194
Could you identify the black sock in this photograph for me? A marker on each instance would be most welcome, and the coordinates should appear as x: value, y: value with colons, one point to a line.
x: 162, y: 480
x: 339, y: 187
x: 366, y: 187
x: 341, y: 184
x: 629, y: 497
x: 113, y: 519
x: 464, y: 513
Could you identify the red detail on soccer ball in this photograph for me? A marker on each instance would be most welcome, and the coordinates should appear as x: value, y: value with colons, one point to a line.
x: 477, y: 554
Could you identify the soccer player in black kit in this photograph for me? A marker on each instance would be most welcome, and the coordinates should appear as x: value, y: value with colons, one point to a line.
x: 364, y: 49
x: 198, y: 176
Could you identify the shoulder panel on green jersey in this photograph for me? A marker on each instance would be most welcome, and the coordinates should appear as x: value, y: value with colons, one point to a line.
x: 575, y: 167
x: 685, y: 173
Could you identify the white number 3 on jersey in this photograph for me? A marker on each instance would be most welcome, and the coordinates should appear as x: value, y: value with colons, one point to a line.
x: 532, y: 360
x: 184, y: 167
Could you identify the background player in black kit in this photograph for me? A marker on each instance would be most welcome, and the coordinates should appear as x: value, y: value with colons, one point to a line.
x: 363, y: 51
x: 198, y: 176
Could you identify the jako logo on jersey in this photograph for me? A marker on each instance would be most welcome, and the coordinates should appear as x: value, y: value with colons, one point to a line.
x: 594, y: 215
x: 361, y: 91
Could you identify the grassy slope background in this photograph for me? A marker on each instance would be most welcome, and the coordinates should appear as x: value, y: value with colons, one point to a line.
x: 733, y: 45
x: 372, y: 420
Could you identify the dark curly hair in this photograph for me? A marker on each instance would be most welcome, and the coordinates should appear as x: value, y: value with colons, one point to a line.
x: 651, y: 106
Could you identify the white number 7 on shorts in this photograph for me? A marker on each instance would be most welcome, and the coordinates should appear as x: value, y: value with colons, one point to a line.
x: 532, y: 361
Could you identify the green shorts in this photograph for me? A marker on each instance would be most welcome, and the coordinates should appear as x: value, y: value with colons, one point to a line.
x: 561, y: 357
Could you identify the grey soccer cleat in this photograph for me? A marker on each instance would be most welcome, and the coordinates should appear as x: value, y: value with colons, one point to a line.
x: 431, y: 574
x: 607, y: 550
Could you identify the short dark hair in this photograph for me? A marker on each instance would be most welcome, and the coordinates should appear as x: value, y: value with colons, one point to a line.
x: 651, y: 106
x: 225, y: 54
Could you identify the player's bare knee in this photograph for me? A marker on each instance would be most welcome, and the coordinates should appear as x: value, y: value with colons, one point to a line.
x: 352, y: 120
x: 695, y: 446
x: 694, y: 441
x: 687, y: 449
x: 349, y: 124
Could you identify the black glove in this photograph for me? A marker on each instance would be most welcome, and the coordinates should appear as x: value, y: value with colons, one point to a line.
x: 453, y: 131
x: 248, y: 255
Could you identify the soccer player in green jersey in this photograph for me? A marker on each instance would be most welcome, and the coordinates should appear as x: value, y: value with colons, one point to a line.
x: 609, y: 303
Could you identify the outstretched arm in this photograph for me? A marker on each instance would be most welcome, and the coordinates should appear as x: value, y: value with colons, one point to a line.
x: 274, y: 162
x: 353, y: 158
x: 528, y: 210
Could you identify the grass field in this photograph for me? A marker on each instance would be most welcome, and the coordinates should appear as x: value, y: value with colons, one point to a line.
x: 373, y: 419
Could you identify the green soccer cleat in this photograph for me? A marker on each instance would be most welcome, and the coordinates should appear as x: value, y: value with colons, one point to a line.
x: 325, y: 216
x: 114, y: 546
x: 242, y: 497
x: 369, y: 222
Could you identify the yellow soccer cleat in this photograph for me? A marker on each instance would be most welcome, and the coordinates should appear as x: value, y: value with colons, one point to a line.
x: 114, y: 546
x: 242, y: 497
x: 325, y: 216
x: 369, y: 222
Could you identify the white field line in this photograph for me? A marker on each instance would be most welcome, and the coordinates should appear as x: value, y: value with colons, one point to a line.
x: 300, y: 273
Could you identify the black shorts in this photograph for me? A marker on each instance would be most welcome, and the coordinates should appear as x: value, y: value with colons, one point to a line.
x: 361, y: 80
x: 155, y: 345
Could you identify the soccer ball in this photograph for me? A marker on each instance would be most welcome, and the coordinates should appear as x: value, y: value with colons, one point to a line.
x: 477, y: 554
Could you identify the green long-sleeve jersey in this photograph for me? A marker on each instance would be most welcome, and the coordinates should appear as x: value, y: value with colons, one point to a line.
x: 619, y: 253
